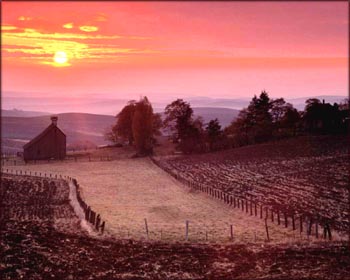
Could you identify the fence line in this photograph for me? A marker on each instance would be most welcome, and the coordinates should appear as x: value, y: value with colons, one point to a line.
x: 90, y: 216
x: 253, y: 208
x: 307, y: 223
x: 17, y: 161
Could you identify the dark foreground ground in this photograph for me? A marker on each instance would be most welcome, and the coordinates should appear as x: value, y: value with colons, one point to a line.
x: 30, y: 250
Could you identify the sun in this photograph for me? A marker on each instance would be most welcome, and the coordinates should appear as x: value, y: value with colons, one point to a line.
x: 60, y: 57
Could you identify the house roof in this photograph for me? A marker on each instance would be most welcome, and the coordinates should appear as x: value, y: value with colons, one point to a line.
x: 41, y: 135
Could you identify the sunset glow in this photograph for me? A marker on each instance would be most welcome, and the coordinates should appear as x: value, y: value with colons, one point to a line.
x: 173, y: 49
x: 60, y: 57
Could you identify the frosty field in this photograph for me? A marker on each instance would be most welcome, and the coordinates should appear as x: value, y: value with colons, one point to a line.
x: 127, y: 191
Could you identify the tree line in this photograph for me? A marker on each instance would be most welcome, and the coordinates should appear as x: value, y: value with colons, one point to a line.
x: 264, y: 119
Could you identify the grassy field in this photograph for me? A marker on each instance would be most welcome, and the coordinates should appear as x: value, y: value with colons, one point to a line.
x: 127, y: 191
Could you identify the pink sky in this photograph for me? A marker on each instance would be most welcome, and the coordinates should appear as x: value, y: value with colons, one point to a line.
x: 165, y: 50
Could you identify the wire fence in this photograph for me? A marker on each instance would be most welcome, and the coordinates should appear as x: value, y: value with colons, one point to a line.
x: 316, y: 226
x: 18, y: 161
x: 303, y: 227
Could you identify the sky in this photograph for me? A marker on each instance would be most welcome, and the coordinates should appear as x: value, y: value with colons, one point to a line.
x: 62, y: 56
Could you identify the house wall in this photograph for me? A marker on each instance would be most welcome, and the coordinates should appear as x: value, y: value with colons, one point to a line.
x: 51, y: 145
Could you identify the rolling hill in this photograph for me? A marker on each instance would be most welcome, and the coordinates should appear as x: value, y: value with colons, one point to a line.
x: 80, y: 127
x: 22, y: 113
x: 224, y: 115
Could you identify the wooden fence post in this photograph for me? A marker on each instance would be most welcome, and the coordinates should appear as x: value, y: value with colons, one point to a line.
x: 256, y: 210
x: 93, y: 220
x: 309, y: 231
x: 301, y: 223
x: 267, y: 230
x: 87, y: 214
x: 231, y: 229
x: 146, y: 227
x: 98, y: 220
x: 187, y: 230
x: 278, y: 217
x: 272, y: 215
x: 285, y: 219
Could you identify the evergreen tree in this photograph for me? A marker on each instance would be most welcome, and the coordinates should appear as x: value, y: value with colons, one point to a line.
x: 213, y: 130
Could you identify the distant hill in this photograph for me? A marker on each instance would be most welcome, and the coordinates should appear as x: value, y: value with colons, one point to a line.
x: 208, y: 102
x: 21, y: 113
x: 79, y: 127
x: 240, y: 103
x: 111, y: 106
x: 224, y: 115
x: 299, y: 103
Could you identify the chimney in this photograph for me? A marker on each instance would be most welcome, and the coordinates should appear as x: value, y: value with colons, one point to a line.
x: 54, y: 120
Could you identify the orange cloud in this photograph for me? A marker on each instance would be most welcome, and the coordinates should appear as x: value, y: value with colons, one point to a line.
x: 87, y: 28
x: 8, y: 27
x: 101, y: 17
x: 31, y: 45
x: 68, y: 25
x: 23, y: 18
